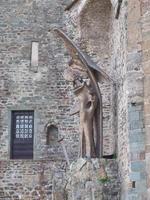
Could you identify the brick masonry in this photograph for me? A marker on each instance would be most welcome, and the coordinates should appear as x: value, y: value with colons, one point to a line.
x: 25, y: 88
x: 31, y: 180
x: 145, y: 45
x: 42, y: 89
x: 120, y: 46
x: 97, y: 15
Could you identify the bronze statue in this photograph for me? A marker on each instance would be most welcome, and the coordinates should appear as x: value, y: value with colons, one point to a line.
x: 82, y: 72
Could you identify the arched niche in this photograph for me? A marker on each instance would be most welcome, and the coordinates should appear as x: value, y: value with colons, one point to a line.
x: 95, y: 21
x: 51, y: 134
x: 95, y: 28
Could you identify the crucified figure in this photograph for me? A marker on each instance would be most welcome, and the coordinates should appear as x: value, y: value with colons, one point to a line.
x: 88, y: 103
x: 81, y: 72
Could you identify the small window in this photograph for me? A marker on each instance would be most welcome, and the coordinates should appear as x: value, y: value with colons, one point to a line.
x: 22, y: 132
x: 133, y: 184
x: 34, y: 54
x: 51, y: 134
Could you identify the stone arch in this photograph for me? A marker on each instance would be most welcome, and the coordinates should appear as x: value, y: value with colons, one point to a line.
x: 95, y: 27
x: 95, y: 23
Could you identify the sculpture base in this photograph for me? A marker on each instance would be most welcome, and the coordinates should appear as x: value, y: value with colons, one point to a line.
x: 93, y: 179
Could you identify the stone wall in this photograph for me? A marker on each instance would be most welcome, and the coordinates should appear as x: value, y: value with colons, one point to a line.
x: 119, y: 42
x: 120, y: 46
x: 105, y: 38
x: 145, y: 46
x: 89, y: 23
x: 95, y: 25
x: 136, y: 132
x: 42, y: 88
x: 31, y: 180
x: 93, y: 179
x: 131, y: 143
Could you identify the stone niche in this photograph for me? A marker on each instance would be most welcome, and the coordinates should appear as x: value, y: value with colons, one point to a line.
x: 94, y: 21
x: 51, y: 134
x: 52, y: 148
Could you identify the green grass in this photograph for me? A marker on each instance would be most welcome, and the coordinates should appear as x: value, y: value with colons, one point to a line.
x: 104, y: 180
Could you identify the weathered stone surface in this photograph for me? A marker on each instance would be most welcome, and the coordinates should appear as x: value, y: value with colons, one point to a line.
x: 121, y: 47
x: 31, y: 180
x: 93, y: 179
x: 59, y: 196
x: 42, y: 89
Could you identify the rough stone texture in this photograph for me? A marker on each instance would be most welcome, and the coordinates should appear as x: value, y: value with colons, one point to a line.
x: 93, y: 180
x: 119, y: 42
x: 136, y: 131
x: 121, y: 47
x: 31, y: 180
x: 42, y: 89
x: 22, y: 87
x: 125, y: 65
x: 145, y: 46
x: 97, y: 15
x: 107, y: 44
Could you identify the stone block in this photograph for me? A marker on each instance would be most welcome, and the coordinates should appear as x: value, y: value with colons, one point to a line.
x: 79, y: 165
x: 134, y: 12
x: 146, y: 67
x: 142, y: 155
x: 141, y: 186
x: 146, y: 55
x: 146, y: 36
x: 138, y: 166
x: 134, y: 35
x: 136, y: 132
x: 137, y: 147
x: 134, y: 57
x: 136, y: 125
x: 136, y: 138
x: 59, y: 196
x: 147, y: 148
x: 133, y: 196
x: 135, y: 176
x: 145, y: 44
x: 134, y: 107
x: 145, y: 5
x: 134, y: 116
x: 147, y: 119
x: 147, y: 109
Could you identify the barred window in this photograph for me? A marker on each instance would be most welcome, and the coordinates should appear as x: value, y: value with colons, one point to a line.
x: 22, y: 132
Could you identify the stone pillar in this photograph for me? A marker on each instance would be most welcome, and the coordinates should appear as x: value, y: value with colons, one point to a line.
x: 145, y: 23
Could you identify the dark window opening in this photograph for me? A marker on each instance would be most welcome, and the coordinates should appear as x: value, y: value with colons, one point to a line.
x: 22, y: 132
x: 51, y: 134
x: 133, y: 184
